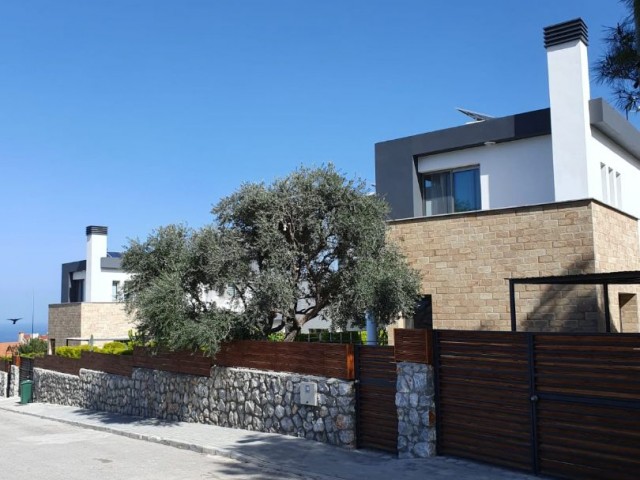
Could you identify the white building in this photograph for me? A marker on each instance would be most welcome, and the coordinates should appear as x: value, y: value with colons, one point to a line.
x: 91, y: 297
x: 578, y: 148
x: 545, y: 193
x: 99, y: 278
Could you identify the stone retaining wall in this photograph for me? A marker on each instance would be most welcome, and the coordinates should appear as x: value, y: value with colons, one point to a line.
x: 14, y: 384
x: 3, y: 383
x: 416, y: 410
x: 230, y: 397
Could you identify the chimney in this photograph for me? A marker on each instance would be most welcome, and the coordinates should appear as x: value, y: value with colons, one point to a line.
x: 568, y: 68
x: 96, y: 250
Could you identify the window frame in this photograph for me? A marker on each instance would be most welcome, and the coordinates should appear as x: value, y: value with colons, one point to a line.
x: 451, y: 172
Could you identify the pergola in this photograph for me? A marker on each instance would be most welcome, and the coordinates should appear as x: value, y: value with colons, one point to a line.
x: 604, y: 279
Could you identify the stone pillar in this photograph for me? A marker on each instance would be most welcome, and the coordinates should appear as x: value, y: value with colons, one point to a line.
x: 416, y: 411
x: 3, y: 383
x: 15, y: 381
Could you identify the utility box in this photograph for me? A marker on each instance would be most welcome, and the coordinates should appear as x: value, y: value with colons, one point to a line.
x: 309, y: 393
x: 26, y: 391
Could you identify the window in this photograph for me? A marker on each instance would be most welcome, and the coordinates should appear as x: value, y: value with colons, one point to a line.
x: 76, y: 290
x: 603, y: 179
x: 611, y: 181
x: 612, y: 187
x: 452, y: 191
x: 115, y: 291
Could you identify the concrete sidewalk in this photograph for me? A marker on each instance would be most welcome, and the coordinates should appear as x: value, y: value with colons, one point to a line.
x: 302, y: 457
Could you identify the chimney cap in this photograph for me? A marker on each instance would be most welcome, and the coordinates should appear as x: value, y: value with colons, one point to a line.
x: 566, y: 32
x: 96, y: 230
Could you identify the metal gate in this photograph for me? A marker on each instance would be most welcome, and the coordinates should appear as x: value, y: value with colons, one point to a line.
x: 555, y: 404
x: 377, y: 418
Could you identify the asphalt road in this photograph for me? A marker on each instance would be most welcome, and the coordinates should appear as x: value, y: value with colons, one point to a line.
x: 36, y: 448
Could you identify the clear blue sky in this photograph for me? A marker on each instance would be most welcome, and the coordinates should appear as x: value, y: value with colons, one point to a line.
x: 135, y: 114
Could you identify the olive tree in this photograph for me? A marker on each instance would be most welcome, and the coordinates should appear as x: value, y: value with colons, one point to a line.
x: 312, y: 243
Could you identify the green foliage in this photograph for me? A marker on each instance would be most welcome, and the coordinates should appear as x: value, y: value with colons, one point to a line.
x: 116, y: 348
x: 111, y: 348
x: 74, y: 351
x: 313, y: 243
x: 619, y: 67
x: 35, y: 347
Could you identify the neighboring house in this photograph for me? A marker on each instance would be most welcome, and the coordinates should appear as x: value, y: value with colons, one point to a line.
x: 7, y: 348
x: 540, y: 193
x: 91, y: 297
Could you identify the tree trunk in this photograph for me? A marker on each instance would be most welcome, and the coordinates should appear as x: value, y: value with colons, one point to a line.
x: 291, y: 336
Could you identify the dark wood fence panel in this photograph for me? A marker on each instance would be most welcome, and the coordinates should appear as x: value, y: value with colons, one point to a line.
x: 377, y: 419
x: 413, y: 345
x: 103, y: 362
x: 322, y: 359
x: 483, y: 397
x: 588, y: 411
x: 71, y: 366
x: 176, y: 362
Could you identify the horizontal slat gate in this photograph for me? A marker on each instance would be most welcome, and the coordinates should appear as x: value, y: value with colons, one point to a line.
x: 589, y: 405
x: 557, y: 404
x: 377, y: 425
x: 483, y: 397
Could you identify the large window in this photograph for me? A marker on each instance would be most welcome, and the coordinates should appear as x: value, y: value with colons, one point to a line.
x: 452, y: 191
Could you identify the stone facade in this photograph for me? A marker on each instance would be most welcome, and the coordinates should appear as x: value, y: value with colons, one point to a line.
x: 82, y: 320
x: 617, y: 245
x: 4, y: 377
x: 230, y: 397
x: 464, y: 260
x: 416, y: 411
x: 14, y: 384
x: 64, y: 322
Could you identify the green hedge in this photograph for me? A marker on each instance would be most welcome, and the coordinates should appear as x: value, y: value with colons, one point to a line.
x: 111, y: 348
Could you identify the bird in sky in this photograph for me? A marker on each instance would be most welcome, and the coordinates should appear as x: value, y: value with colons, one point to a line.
x: 14, y: 320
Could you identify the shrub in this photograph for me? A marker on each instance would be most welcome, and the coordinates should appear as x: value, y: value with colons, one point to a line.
x: 117, y: 348
x: 35, y: 347
x: 74, y: 352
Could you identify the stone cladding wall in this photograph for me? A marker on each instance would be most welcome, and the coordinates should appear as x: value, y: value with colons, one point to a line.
x: 416, y: 410
x: 14, y: 384
x: 3, y: 383
x: 464, y: 260
x: 617, y: 246
x: 230, y: 397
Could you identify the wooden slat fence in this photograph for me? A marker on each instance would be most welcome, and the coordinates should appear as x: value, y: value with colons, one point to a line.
x: 377, y: 420
x: 588, y: 412
x: 70, y: 366
x: 483, y: 407
x: 321, y: 359
x: 556, y: 404
x: 176, y: 362
x: 413, y: 345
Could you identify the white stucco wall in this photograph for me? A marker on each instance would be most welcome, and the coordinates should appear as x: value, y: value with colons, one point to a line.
x: 605, y: 151
x: 93, y: 284
x: 511, y: 174
x: 568, y: 69
x: 104, y: 281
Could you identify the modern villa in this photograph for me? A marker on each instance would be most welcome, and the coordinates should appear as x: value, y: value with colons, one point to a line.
x: 541, y: 193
